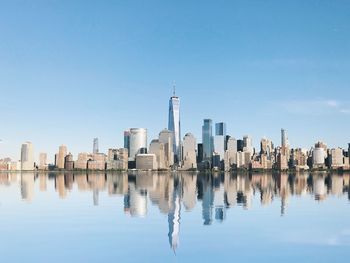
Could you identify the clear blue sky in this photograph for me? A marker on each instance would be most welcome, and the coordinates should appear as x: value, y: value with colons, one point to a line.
x: 74, y: 70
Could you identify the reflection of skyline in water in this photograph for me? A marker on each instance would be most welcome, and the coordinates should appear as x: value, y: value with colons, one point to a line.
x: 214, y: 193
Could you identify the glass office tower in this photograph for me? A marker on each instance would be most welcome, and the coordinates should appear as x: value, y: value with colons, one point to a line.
x: 174, y: 126
x: 220, y: 128
x: 207, y: 140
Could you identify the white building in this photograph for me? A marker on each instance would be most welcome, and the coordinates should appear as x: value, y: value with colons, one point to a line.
x: 62, y: 152
x: 231, y: 153
x: 219, y: 145
x: 166, y: 137
x: 189, y: 152
x: 43, y: 161
x: 318, y: 157
x: 138, y: 142
x: 157, y: 148
x: 27, y: 157
x: 337, y: 158
x: 248, y: 145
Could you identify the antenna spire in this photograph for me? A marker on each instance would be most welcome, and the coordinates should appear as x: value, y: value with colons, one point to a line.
x: 174, y: 90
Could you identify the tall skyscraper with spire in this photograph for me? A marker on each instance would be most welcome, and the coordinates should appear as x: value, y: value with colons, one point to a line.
x: 174, y: 125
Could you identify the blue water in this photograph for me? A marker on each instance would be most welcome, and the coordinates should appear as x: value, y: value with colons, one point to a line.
x: 179, y: 217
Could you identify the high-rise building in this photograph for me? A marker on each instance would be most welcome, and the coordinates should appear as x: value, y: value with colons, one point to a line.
x: 95, y: 146
x: 336, y: 158
x: 207, y: 140
x: 189, y: 152
x: 199, y: 152
x: 220, y: 128
x: 247, y: 144
x: 284, y: 138
x: 157, y: 148
x: 27, y: 157
x: 266, y: 147
x: 174, y: 125
x: 220, y: 139
x: 231, y: 153
x: 62, y: 152
x: 127, y: 141
x: 219, y: 145
x: 240, y: 145
x: 138, y: 142
x: 166, y: 137
x: 319, y: 155
x: 42, y: 161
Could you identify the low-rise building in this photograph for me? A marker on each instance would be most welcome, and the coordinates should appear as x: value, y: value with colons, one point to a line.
x: 146, y: 162
x: 117, y: 159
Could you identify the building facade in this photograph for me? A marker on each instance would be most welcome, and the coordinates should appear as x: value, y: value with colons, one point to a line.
x: 175, y: 126
x: 27, y: 157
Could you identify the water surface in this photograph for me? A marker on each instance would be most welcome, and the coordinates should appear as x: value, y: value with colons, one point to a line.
x: 179, y: 217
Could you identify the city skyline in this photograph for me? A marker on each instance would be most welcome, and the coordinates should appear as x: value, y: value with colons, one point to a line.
x: 74, y: 75
x: 214, y: 133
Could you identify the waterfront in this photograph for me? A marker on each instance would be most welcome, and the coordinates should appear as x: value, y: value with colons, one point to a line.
x: 174, y: 217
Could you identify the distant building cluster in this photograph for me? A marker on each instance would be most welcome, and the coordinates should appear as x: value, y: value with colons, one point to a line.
x: 217, y: 151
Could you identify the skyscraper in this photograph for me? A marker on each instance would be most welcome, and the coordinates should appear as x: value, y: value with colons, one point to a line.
x: 158, y: 148
x: 62, y: 152
x: 127, y: 141
x: 220, y: 128
x: 167, y: 137
x: 95, y: 146
x: 207, y: 140
x: 174, y: 125
x: 42, y: 161
x: 138, y: 142
x: 284, y: 138
x: 27, y: 157
x: 247, y: 144
x: 189, y: 152
x: 220, y: 139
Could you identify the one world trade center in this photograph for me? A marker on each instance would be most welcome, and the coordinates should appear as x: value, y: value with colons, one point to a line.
x: 174, y: 125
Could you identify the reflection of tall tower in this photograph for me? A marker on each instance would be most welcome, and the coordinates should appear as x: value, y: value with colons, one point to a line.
x: 174, y: 216
x: 95, y: 196
x: 174, y: 125
x: 282, y: 184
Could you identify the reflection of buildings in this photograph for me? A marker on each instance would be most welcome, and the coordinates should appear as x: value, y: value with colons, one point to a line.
x: 27, y: 186
x: 205, y: 192
x: 174, y: 215
x: 170, y: 192
x: 319, y: 187
x: 284, y: 190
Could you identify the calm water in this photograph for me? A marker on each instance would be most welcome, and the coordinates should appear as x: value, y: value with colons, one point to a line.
x: 183, y: 217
